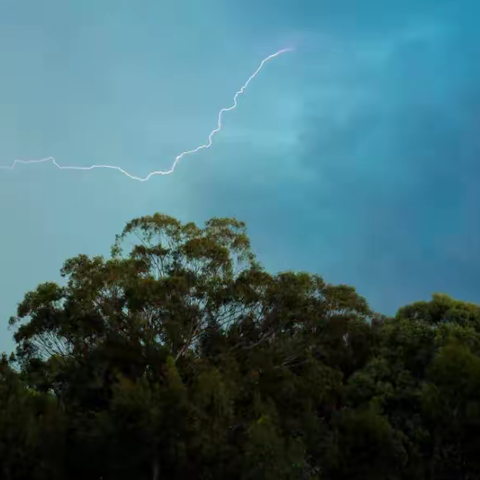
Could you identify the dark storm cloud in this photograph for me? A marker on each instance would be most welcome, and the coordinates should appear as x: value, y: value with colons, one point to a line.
x: 401, y: 167
x: 389, y: 143
x: 356, y: 157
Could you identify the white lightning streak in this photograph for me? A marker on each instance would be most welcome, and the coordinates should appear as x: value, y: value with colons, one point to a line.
x: 178, y: 157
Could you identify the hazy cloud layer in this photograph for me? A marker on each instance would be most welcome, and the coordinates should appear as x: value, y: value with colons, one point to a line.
x: 356, y: 157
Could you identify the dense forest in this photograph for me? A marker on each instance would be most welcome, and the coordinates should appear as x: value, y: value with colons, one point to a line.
x: 180, y: 357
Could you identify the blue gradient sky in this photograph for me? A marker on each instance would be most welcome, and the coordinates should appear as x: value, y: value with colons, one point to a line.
x: 355, y: 157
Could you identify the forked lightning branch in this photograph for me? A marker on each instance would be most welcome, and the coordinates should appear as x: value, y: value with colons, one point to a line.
x: 208, y: 144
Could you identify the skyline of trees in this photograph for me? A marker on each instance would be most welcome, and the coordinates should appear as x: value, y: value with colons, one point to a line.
x: 179, y: 356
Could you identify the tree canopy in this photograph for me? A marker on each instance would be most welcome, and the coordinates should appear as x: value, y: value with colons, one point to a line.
x: 180, y: 356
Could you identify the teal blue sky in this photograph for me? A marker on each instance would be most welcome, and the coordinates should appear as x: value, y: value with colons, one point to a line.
x: 356, y: 157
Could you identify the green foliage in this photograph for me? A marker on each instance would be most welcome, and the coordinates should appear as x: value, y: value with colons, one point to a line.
x: 368, y: 447
x: 181, y: 357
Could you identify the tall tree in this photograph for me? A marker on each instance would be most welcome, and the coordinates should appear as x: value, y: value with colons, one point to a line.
x: 179, y: 356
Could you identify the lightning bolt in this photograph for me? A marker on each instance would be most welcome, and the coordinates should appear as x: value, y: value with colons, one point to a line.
x: 178, y: 157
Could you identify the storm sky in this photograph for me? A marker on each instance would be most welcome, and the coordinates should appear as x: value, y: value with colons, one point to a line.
x: 355, y: 157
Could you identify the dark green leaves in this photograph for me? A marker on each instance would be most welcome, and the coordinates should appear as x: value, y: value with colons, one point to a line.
x: 181, y: 357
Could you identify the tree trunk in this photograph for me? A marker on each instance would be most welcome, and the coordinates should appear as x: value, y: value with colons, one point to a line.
x: 155, y: 469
